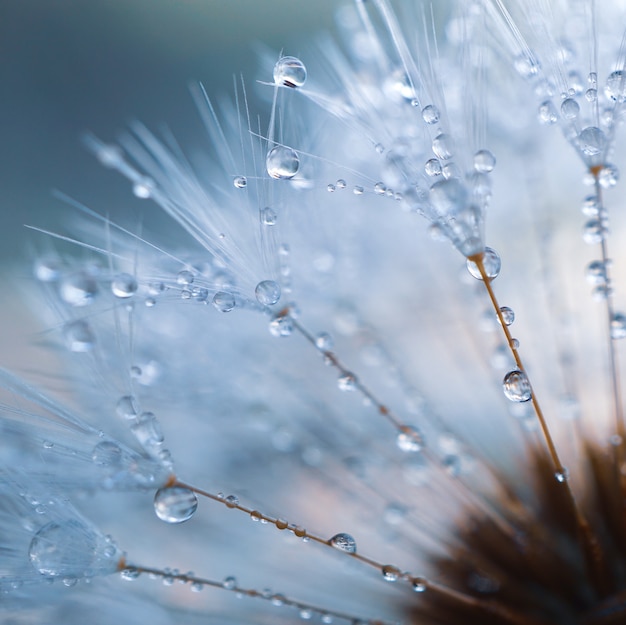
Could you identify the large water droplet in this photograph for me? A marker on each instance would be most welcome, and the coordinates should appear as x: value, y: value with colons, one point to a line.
x: 175, y: 504
x: 123, y: 285
x: 78, y: 336
x: 224, y: 302
x: 508, y: 315
x: 107, y: 454
x: 68, y: 549
x: 570, y: 109
x: 592, y: 141
x: 391, y: 573
x: 267, y: 292
x: 516, y: 386
x: 615, y: 88
x: 78, y: 289
x: 491, y: 263
x: 442, y: 146
x: 484, y: 161
x: 289, y: 71
x: 282, y: 162
x: 430, y: 114
x: 343, y: 542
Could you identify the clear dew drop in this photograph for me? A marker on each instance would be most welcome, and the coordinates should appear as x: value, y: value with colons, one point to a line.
x: 442, y: 146
x: 570, y: 109
x: 123, y: 285
x: 184, y: 278
x: 346, y: 382
x: 591, y: 206
x: 282, y: 162
x: 127, y: 407
x: 281, y: 325
x: 175, y: 504
x: 526, y: 66
x: 608, y: 176
x: 358, y: 190
x: 267, y: 292
x: 147, y: 430
x: 268, y: 216
x: 341, y: 183
x: 516, y: 386
x: 107, y: 454
x: 47, y: 269
x: 224, y: 302
x: 593, y: 232
x: 143, y: 188
x: 78, y: 336
x: 78, y: 289
x: 66, y: 549
x: 430, y: 114
x: 232, y: 501
x: 508, y: 315
x: 615, y: 89
x: 324, y: 341
x: 547, y: 113
x: 391, y: 573
x: 240, y: 182
x: 380, y: 188
x: 410, y: 439
x: 130, y: 574
x: 343, y: 542
x: 432, y: 167
x: 618, y: 326
x: 484, y: 161
x: 419, y: 584
x: 289, y: 71
x: 491, y: 263
x: 592, y: 141
x: 561, y: 476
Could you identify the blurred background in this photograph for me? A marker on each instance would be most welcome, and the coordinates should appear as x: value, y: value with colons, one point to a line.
x: 71, y: 66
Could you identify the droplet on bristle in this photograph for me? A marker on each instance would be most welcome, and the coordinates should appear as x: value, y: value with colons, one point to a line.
x: 289, y: 71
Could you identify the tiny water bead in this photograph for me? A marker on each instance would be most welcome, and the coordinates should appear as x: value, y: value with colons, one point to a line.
x: 281, y: 325
x: 484, y: 161
x: 442, y: 146
x: 547, y: 113
x: 596, y: 272
x: 358, y: 190
x: 430, y: 114
x: 78, y: 289
x: 240, y: 182
x: 491, y: 264
x: 282, y: 162
x: 618, y: 326
x: 508, y: 315
x: 419, y: 584
x: 147, y: 430
x: 127, y: 407
x: 593, y: 232
x: 592, y: 141
x: 143, y: 188
x: 570, y: 109
x: 346, y: 382
x: 224, y: 302
x: 561, y: 476
x: 70, y: 549
x: 608, y: 176
x: 123, y: 285
x: 289, y: 71
x: 324, y: 341
x: 232, y: 501
x: 268, y: 216
x: 343, y: 542
x: 175, y: 504
x: 409, y: 439
x: 267, y: 292
x: 432, y: 167
x: 516, y: 386
x: 615, y: 89
x: 79, y: 336
x: 391, y: 573
x: 184, y: 278
x: 107, y: 454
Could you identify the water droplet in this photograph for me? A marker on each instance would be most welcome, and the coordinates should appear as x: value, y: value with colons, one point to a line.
x: 618, y: 326
x: 306, y: 614
x: 442, y: 146
x: 255, y: 515
x: 590, y: 206
x: 593, y: 232
x: 615, y: 89
x: 106, y: 454
x: 184, y: 278
x: 591, y: 95
x: 240, y: 182
x: 147, y: 430
x: 596, y: 272
x: 484, y: 161
x: 67, y: 549
x: 341, y: 184
x: 143, y: 187
x: 224, y: 302
x: 508, y: 315
x: 129, y: 574
x: 289, y: 71
x: 526, y: 66
x: 343, y: 542
x: 232, y: 501
x: 78, y: 336
x: 562, y: 476
x: 327, y: 619
x: 78, y: 289
x: 282, y: 162
x: 592, y: 141
x: 324, y: 341
x: 175, y: 504
x: 570, y: 109
x: 47, y: 269
x: 547, y: 113
x: 419, y: 584
x: 491, y: 263
x: 430, y: 114
x: 358, y: 190
x: 267, y: 292
x: 391, y: 573
x: 268, y: 216
x: 347, y: 382
x: 331, y: 188
x: 380, y: 188
x: 432, y: 167
x: 409, y: 439
x: 196, y: 587
x: 123, y: 285
x: 516, y: 386
x: 281, y: 325
x: 127, y: 407
x: 608, y: 176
